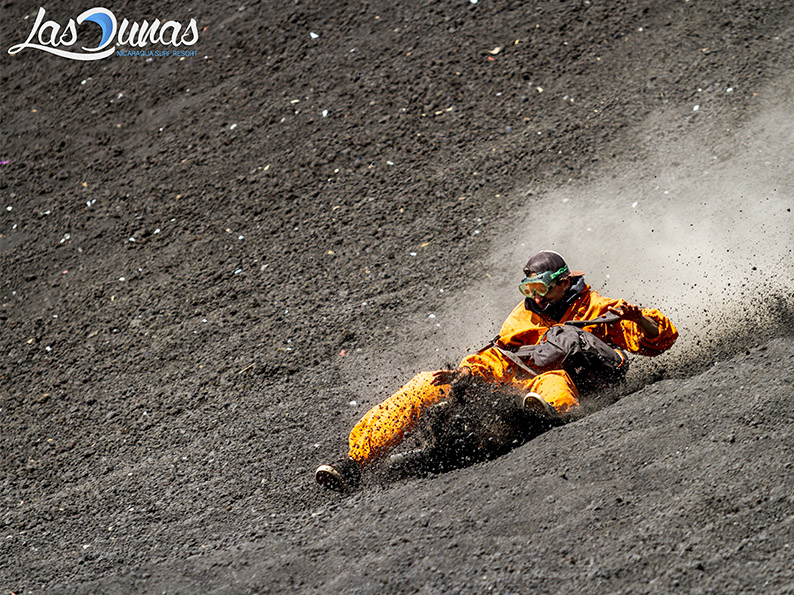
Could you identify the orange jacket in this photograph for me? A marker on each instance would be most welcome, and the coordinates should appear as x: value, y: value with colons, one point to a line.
x: 525, y: 327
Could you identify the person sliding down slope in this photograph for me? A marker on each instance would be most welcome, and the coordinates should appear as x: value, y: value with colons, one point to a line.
x: 539, y: 350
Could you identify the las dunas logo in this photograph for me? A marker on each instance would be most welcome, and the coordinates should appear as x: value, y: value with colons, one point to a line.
x: 51, y: 37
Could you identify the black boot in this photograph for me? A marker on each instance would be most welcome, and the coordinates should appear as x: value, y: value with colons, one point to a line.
x: 343, y: 475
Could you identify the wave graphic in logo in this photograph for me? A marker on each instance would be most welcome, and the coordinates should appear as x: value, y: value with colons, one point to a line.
x: 106, y: 20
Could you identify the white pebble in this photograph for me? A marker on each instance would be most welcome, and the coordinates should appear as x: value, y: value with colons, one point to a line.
x: 696, y: 108
x: 352, y: 403
x: 313, y: 35
x: 634, y: 205
x: 233, y: 126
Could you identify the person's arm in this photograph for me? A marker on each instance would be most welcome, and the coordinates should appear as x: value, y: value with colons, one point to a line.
x: 645, y: 331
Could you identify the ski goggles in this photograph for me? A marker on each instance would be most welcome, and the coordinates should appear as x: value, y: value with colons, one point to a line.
x: 541, y: 283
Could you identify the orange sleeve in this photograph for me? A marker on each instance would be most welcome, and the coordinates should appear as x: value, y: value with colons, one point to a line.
x: 628, y: 335
x: 490, y: 365
x: 522, y: 327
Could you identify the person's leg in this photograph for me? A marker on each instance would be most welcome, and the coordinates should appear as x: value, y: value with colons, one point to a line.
x: 556, y: 388
x: 384, y: 426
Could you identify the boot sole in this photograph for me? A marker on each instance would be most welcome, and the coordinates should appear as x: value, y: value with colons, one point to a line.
x: 330, y: 478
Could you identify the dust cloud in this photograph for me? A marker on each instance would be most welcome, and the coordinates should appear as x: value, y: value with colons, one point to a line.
x: 704, y: 233
x: 701, y: 230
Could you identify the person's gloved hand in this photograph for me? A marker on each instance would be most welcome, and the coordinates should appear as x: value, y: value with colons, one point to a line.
x: 449, y: 376
x: 628, y: 311
x: 634, y: 314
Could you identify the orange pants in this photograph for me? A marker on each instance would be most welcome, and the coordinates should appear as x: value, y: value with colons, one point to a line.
x: 384, y: 426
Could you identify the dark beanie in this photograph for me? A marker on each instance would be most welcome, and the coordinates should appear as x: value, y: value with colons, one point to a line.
x: 545, y: 260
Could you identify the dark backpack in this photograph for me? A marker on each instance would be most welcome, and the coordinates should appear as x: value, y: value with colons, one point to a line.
x: 591, y: 362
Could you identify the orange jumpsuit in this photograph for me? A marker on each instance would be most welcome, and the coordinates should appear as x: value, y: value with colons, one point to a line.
x: 385, y: 425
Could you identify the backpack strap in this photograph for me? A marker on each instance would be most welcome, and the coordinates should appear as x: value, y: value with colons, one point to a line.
x: 495, y: 343
x: 514, y: 357
x: 608, y: 318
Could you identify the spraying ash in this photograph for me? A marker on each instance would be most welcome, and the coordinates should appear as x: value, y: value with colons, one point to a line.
x: 703, y: 232
x: 480, y: 421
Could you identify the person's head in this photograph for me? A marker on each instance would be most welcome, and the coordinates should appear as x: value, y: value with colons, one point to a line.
x: 547, y: 278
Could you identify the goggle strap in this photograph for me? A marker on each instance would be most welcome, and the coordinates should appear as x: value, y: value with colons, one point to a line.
x: 560, y: 271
